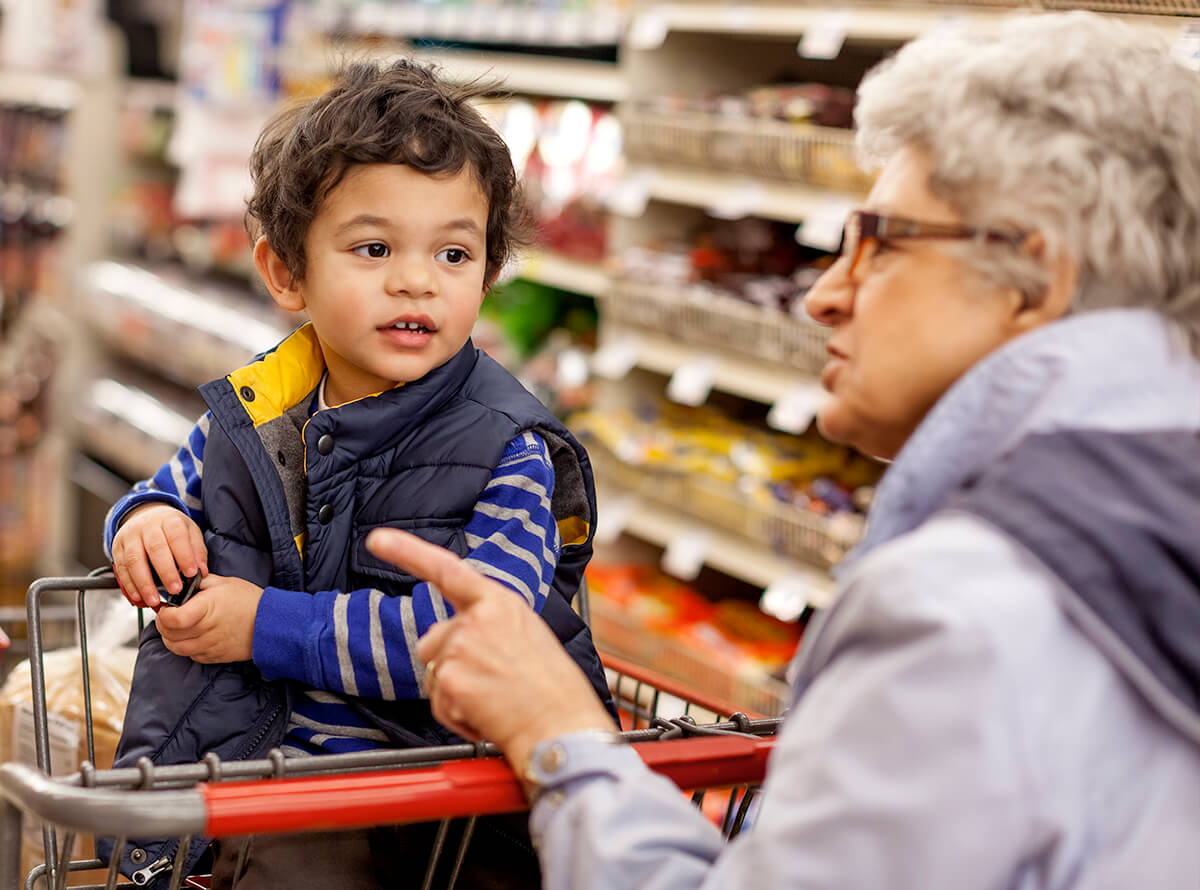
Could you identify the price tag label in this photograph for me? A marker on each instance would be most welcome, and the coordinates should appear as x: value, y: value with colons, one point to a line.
x: 822, y: 228
x: 693, y: 381
x: 612, y: 517
x: 739, y: 200
x: 685, y: 554
x: 797, y: 409
x: 824, y: 38
x: 649, y: 30
x: 631, y: 195
x: 572, y: 367
x: 786, y: 597
x: 1187, y: 47
x: 617, y: 357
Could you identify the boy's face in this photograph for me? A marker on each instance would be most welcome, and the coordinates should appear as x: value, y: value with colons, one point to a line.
x: 394, y: 276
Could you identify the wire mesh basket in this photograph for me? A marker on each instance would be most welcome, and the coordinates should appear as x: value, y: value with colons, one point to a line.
x: 761, y: 147
x: 704, y: 316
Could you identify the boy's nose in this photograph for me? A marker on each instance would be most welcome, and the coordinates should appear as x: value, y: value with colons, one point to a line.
x: 410, y: 275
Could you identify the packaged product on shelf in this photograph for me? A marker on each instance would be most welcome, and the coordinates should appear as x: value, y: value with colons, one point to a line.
x: 727, y: 649
x: 569, y: 154
x: 799, y: 495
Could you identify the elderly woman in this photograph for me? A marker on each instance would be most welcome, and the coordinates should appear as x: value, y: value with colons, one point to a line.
x: 1006, y: 693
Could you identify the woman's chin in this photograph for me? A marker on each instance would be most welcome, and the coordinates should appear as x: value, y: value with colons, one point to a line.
x: 833, y: 424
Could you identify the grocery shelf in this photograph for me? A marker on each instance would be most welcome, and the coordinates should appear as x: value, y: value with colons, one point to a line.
x: 539, y: 75
x: 479, y: 23
x: 566, y: 273
x: 191, y: 334
x: 709, y: 318
x: 728, y: 553
x: 764, y: 382
x: 779, y: 151
x: 729, y: 196
x: 40, y: 90
x: 884, y: 24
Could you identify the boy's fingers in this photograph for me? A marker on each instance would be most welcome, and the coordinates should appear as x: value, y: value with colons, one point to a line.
x: 140, y: 582
x: 461, y: 585
x: 124, y: 581
x: 198, y: 548
x: 179, y: 540
x: 163, y: 561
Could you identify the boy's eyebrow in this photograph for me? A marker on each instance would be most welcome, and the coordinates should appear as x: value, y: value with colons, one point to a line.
x: 363, y: 219
x: 466, y: 224
x: 366, y: 219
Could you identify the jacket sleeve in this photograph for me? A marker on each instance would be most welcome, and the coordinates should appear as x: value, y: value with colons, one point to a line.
x: 898, y: 766
x: 365, y: 641
x: 176, y: 483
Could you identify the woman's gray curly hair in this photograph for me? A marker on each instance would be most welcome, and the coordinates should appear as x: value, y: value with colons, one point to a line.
x: 1071, y: 125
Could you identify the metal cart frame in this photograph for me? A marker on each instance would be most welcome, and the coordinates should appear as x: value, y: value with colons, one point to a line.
x: 274, y: 795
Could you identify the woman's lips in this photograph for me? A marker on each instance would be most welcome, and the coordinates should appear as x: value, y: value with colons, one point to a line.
x: 829, y: 373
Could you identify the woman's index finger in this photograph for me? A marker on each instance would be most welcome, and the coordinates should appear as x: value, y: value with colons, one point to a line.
x: 458, y: 583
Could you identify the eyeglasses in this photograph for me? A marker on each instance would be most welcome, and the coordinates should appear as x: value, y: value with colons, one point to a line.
x: 863, y: 228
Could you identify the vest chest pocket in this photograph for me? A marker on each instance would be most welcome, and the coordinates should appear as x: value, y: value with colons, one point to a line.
x: 366, y: 570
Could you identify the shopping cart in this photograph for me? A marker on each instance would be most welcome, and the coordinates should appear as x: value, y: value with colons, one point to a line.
x: 453, y: 784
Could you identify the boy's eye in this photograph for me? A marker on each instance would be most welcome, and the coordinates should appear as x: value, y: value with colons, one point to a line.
x: 375, y: 250
x: 455, y: 256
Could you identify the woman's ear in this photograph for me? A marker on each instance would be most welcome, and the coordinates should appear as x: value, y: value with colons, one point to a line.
x: 284, y: 289
x: 1063, y: 279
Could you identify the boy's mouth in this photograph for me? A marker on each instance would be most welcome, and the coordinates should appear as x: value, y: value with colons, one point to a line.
x: 417, y: 325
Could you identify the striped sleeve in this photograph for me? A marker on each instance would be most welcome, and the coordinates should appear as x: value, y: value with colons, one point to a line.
x: 366, y: 642
x: 177, y: 483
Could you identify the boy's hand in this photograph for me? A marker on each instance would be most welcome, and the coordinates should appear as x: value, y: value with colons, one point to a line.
x: 216, y: 625
x: 156, y: 535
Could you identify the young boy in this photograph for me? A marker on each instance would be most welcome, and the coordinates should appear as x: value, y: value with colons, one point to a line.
x: 384, y: 208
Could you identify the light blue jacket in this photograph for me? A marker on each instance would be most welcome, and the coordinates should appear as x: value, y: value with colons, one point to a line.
x: 961, y: 717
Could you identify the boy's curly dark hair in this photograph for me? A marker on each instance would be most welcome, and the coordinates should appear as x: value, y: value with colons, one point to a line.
x: 398, y: 113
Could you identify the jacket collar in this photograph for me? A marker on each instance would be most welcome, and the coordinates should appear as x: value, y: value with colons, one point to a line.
x: 282, y: 378
x: 1123, y: 370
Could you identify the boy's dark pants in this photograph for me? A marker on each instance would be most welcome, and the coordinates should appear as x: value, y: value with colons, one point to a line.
x: 383, y: 858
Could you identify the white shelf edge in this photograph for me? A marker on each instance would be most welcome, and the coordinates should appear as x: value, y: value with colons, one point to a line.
x: 870, y: 23
x: 36, y: 88
x: 720, y: 192
x: 568, y: 274
x: 729, y: 553
x: 541, y: 75
x: 763, y: 382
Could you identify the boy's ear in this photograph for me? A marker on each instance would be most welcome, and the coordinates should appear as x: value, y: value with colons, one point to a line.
x: 275, y: 275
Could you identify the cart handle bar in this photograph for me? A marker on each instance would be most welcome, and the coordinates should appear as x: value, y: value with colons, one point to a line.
x: 482, y: 786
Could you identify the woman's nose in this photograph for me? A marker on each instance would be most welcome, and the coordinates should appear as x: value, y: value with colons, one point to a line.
x: 831, y: 299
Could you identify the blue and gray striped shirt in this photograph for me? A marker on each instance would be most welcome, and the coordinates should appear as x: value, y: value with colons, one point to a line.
x: 362, y: 642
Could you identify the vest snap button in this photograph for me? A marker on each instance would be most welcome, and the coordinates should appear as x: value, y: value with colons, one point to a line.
x: 247, y: 393
x: 325, y: 444
x: 325, y: 514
